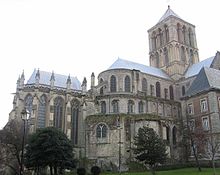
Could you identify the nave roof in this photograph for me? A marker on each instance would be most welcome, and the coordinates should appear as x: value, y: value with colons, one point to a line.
x: 60, y: 80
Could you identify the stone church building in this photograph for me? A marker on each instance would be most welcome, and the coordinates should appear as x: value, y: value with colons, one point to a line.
x: 174, y: 91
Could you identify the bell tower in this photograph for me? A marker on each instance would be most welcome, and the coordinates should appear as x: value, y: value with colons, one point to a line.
x: 172, y: 45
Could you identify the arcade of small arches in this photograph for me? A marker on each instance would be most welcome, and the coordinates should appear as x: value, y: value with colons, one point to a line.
x: 160, y: 37
x: 161, y: 58
x: 185, y: 46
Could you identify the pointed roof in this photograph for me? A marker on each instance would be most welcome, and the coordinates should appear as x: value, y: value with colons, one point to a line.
x: 60, y: 80
x: 208, y: 78
x: 168, y: 13
x: 125, y: 64
x: 195, y: 68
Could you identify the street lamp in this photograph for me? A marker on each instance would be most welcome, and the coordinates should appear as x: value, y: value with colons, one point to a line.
x: 24, y: 113
x: 119, y: 143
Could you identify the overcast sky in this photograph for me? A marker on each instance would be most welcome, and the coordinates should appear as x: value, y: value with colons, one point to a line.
x: 78, y: 37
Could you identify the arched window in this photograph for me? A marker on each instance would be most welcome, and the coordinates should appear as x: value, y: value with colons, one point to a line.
x: 29, y: 103
x: 154, y: 41
x: 144, y: 85
x: 101, y: 131
x: 141, y: 107
x: 158, y: 89
x: 179, y: 32
x: 166, y: 59
x: 58, y: 112
x: 168, y: 134
x: 115, y: 108
x: 171, y: 92
x: 75, y: 104
x: 166, y: 33
x: 165, y: 93
x: 100, y: 80
x: 41, y: 120
x: 182, y: 53
x: 152, y: 90
x: 103, y: 107
x: 183, y: 90
x: 113, y: 84
x: 184, y: 35
x: 191, y: 57
x: 130, y: 106
x: 101, y: 91
x: 191, y: 42
x: 157, y: 60
x: 174, y: 135
x: 161, y: 37
x: 127, y: 84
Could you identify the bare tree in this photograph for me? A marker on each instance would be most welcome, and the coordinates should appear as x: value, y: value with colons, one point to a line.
x: 10, y: 146
x: 197, y: 138
x: 213, y: 150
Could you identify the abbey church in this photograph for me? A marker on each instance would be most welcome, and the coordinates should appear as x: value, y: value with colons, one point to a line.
x: 176, y: 91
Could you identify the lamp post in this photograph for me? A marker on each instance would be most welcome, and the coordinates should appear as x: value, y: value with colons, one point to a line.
x: 24, y: 118
x: 119, y: 144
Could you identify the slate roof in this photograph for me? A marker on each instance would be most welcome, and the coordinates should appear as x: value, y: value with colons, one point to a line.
x: 208, y: 78
x: 168, y: 13
x: 195, y: 68
x: 60, y: 80
x: 125, y: 64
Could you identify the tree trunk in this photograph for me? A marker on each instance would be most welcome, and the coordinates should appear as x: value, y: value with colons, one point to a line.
x: 213, y: 166
x: 55, y: 170
x: 195, y: 155
x: 51, y: 170
x: 152, y: 170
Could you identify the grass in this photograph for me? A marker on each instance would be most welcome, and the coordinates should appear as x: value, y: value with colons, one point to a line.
x: 184, y: 171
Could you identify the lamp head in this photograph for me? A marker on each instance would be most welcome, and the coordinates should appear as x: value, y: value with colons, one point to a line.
x: 24, y: 114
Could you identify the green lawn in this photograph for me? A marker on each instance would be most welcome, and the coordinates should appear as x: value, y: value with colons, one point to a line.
x: 185, y: 171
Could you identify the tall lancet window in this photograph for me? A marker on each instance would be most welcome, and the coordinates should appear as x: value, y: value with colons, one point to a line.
x: 113, y: 84
x: 191, y: 57
x: 182, y: 54
x: 127, y: 84
x: 141, y: 107
x: 144, y: 85
x: 160, y: 36
x: 184, y: 35
x: 115, y: 107
x: 58, y: 112
x: 157, y: 60
x: 130, y: 106
x: 179, y: 33
x: 191, y: 41
x: 41, y: 122
x: 75, y: 104
x: 154, y: 41
x: 166, y: 30
x: 103, y: 107
x: 166, y: 59
x: 171, y: 92
x: 158, y: 89
x: 29, y: 103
